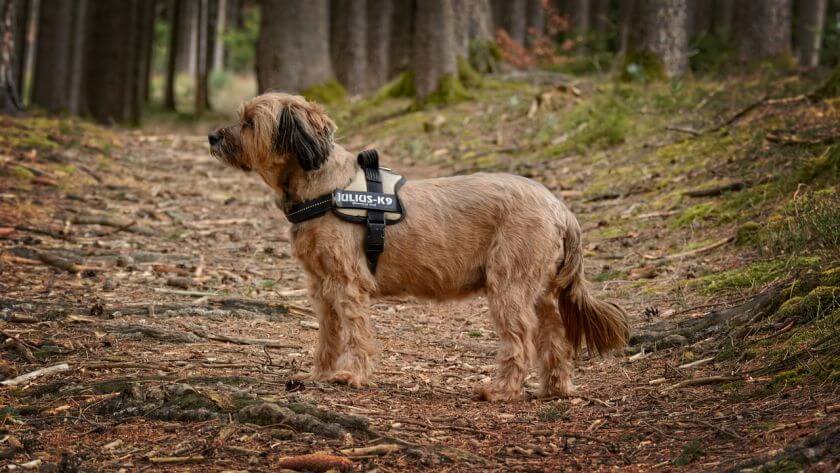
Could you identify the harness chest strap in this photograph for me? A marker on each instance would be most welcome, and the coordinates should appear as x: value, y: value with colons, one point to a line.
x: 371, y: 207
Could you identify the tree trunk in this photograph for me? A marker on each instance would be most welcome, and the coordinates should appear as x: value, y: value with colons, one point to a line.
x: 433, y: 58
x: 146, y: 23
x: 514, y: 19
x: 628, y: 22
x: 75, y: 104
x: 293, y: 51
x: 23, y: 14
x: 9, y: 96
x: 700, y: 17
x: 535, y: 21
x: 188, y: 27
x: 52, y: 56
x: 219, y: 42
x: 201, y: 58
x: 175, y: 18
x: 665, y: 37
x: 763, y: 30
x: 473, y: 23
x: 722, y: 18
x: 379, y: 16
x: 349, y: 43
x: 599, y: 16
x: 402, y: 33
x: 108, y: 84
x: 811, y: 17
x: 579, y: 14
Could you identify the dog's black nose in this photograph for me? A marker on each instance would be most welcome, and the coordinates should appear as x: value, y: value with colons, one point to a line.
x: 214, y: 138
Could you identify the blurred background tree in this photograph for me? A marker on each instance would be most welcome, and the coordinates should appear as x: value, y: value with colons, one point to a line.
x: 115, y: 61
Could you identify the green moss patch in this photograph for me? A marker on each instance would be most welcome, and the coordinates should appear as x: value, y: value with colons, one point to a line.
x: 328, y: 93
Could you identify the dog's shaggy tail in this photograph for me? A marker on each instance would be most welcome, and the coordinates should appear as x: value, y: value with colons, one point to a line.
x: 603, y: 324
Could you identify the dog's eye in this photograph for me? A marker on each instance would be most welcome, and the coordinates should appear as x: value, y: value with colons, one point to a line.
x: 248, y: 123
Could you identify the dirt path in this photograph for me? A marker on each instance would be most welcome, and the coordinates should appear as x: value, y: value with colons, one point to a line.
x: 200, y: 253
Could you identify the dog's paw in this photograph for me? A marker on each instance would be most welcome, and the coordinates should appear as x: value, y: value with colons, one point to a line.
x: 348, y: 378
x: 492, y: 394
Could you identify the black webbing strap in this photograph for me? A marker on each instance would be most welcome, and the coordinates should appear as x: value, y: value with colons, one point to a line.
x: 310, y: 209
x: 375, y: 238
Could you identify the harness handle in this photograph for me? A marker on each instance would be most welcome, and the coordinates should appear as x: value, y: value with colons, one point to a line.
x: 375, y: 238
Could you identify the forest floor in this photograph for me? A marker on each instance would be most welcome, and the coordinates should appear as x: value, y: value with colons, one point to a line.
x: 160, y: 284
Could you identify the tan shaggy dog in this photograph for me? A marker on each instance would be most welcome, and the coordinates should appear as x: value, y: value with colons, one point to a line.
x: 498, y: 234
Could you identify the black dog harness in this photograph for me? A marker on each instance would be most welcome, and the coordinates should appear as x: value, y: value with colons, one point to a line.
x: 370, y: 198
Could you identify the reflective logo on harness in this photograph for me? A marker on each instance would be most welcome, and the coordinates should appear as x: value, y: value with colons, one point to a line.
x: 365, y: 200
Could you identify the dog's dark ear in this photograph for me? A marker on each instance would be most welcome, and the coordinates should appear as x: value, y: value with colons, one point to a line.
x: 310, y: 143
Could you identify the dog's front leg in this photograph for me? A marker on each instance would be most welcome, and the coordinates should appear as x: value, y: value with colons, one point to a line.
x: 355, y: 363
x: 330, y: 343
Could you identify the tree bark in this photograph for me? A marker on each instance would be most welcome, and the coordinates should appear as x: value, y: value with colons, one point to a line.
x: 433, y: 58
x: 109, y: 66
x: 763, y: 29
x: 175, y: 18
x: 628, y: 21
x: 600, y: 16
x: 579, y: 14
x: 535, y: 21
x: 349, y: 43
x: 200, y: 97
x: 147, y: 37
x: 380, y: 13
x: 402, y: 34
x: 219, y: 49
x: 75, y: 104
x: 473, y: 23
x: 293, y: 51
x: 514, y: 19
x: 188, y: 27
x: 722, y: 18
x: 52, y: 56
x: 809, y: 31
x: 700, y: 17
x: 9, y: 96
x: 664, y: 23
x: 22, y: 47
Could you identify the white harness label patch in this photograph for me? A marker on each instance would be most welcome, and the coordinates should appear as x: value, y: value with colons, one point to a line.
x: 365, y: 200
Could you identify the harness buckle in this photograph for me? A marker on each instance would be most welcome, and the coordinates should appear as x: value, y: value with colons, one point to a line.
x: 375, y: 238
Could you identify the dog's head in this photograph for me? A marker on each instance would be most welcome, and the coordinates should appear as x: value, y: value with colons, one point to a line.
x: 275, y: 131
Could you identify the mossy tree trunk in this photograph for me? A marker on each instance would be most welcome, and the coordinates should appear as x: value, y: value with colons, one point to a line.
x: 52, y: 58
x: 514, y: 19
x: 809, y: 31
x: 665, y: 36
x: 700, y: 17
x: 473, y: 25
x: 434, y: 62
x: 402, y: 34
x: 379, y: 21
x: 10, y: 11
x: 762, y: 29
x: 348, y: 38
x: 293, y: 51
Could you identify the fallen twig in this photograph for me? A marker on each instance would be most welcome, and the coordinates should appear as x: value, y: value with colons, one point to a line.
x: 704, y: 381
x: 381, y: 449
x: 718, y: 190
x: 170, y: 460
x: 238, y: 340
x: 697, y: 251
x: 36, y: 374
x: 115, y: 222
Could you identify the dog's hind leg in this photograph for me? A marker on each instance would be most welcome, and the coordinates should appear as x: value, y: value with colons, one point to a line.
x: 554, y: 351
x: 512, y: 310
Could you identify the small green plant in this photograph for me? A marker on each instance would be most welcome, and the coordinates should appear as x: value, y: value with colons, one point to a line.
x: 551, y: 413
x: 475, y: 334
x: 691, y: 452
